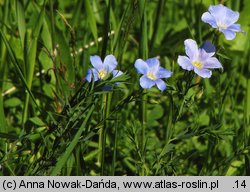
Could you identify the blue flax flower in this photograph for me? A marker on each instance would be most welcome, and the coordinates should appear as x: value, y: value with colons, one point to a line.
x: 222, y: 18
x: 199, y: 59
x: 102, y: 70
x: 152, y: 73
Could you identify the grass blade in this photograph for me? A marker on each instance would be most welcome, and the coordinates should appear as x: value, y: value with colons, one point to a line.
x: 2, y: 72
x: 77, y: 12
x: 106, y: 31
x: 91, y: 19
x: 143, y: 53
x: 20, y: 21
x: 17, y: 66
x: 64, y: 157
x: 31, y: 59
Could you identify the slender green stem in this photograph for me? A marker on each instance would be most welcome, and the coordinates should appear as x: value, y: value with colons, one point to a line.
x: 106, y: 29
x: 103, y: 131
x: 31, y: 58
x: 99, y: 160
x: 143, y: 53
x: 143, y: 116
x: 160, y: 7
x: 216, y: 118
x: 2, y: 72
x: 78, y: 161
x: 143, y: 120
x: 200, y: 24
x: 169, y: 127
x: 189, y: 80
x: 103, y: 149
x: 11, y: 171
x: 25, y: 111
x: 31, y: 61
x: 247, y: 127
x: 52, y: 18
x: 181, y: 109
x: 102, y: 136
x: 64, y: 157
x: 2, y: 117
x: 3, y: 128
x: 215, y: 37
x: 114, y: 151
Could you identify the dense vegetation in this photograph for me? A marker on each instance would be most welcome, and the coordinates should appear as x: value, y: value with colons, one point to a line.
x: 54, y: 122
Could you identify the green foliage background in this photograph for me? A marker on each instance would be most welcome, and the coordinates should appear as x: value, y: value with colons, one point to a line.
x: 51, y: 118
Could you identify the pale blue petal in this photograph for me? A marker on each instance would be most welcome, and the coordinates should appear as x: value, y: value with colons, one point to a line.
x: 214, y: 9
x: 230, y: 35
x: 146, y: 83
x: 116, y: 73
x: 235, y: 28
x: 231, y: 16
x: 95, y: 73
x: 185, y: 63
x: 141, y: 66
x: 208, y: 18
x: 96, y: 62
x: 212, y: 63
x: 223, y: 14
x: 110, y: 62
x: 205, y: 73
x: 209, y: 48
x: 89, y: 75
x: 203, y: 55
x: 191, y: 48
x: 163, y: 73
x: 153, y: 64
x: 161, y: 84
x: 218, y: 12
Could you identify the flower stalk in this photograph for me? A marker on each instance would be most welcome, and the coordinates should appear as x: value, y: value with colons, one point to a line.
x: 143, y: 51
x: 103, y: 130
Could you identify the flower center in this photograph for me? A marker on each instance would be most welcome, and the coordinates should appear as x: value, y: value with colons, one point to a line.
x: 222, y: 25
x: 102, y: 74
x: 151, y: 76
x: 197, y: 64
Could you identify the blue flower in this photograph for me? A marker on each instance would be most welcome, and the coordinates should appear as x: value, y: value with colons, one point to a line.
x: 222, y: 18
x: 102, y: 70
x: 199, y: 59
x: 152, y: 73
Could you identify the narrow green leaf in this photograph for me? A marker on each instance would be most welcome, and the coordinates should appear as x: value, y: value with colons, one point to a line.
x: 64, y: 157
x: 37, y: 121
x: 247, y: 109
x: 106, y: 31
x: 121, y: 78
x: 16, y: 65
x: 20, y: 21
x: 143, y: 49
x: 8, y: 136
x: 91, y: 19
x: 65, y: 52
x: 31, y: 58
x: 2, y: 115
x: 3, y: 54
x: 39, y: 23
x: 77, y: 12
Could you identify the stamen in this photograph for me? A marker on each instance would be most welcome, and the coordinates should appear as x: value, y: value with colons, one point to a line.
x: 197, y: 64
x: 151, y: 76
x: 221, y: 25
x: 102, y: 74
